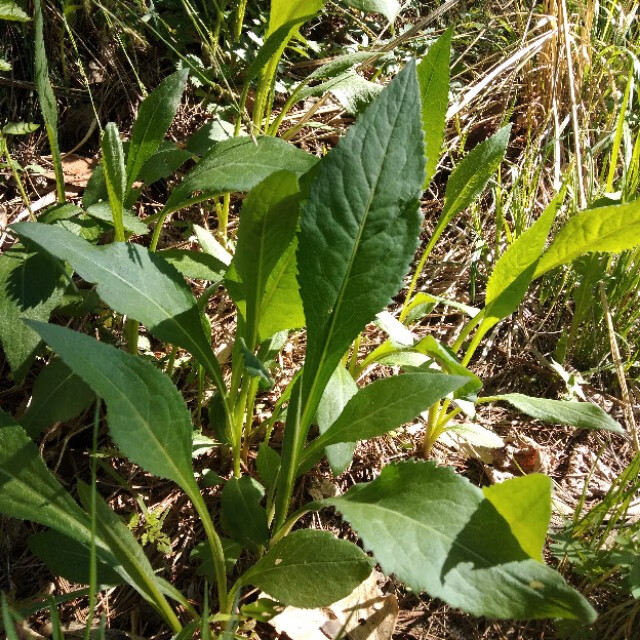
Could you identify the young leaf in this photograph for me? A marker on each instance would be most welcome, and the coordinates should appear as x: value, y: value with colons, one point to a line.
x: 525, y: 503
x: 58, y: 395
x: 115, y: 175
x: 66, y: 558
x: 437, y: 533
x: 433, y: 76
x: 31, y: 286
x: 608, y: 229
x: 135, y: 282
x: 268, y: 464
x: 155, y: 116
x: 19, y: 128
x: 268, y: 222
x: 385, y: 405
x: 575, y: 414
x: 242, y: 516
x: 339, y: 390
x: 47, y: 100
x: 359, y: 228
x: 148, y: 418
x: 9, y: 10
x: 310, y: 569
x: 238, y: 165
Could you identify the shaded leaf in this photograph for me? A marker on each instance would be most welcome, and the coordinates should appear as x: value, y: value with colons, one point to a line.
x: 242, y: 516
x: 163, y: 163
x: 310, y: 569
x: 268, y: 464
x: 195, y: 264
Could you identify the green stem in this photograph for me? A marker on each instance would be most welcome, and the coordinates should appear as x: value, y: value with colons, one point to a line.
x: 240, y: 19
x: 285, y: 529
x: 416, y: 276
x: 4, y: 147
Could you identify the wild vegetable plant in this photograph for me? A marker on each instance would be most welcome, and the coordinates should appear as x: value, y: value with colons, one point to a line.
x: 322, y: 245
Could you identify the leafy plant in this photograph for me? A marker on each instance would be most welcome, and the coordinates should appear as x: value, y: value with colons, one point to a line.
x: 323, y: 245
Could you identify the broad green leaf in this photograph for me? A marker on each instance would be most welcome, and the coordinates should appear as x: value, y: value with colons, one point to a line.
x: 9, y: 10
x: 310, y: 569
x: 608, y: 229
x: 29, y: 491
x: 359, y: 228
x: 525, y: 503
x: 475, y: 434
x: 154, y: 118
x: 514, y: 270
x: 238, y: 165
x: 433, y: 76
x: 339, y: 390
x: 438, y: 533
x: 195, y: 264
x: 268, y: 222
x: 148, y: 419
x: 47, y: 100
x: 388, y: 8
x: 69, y: 559
x: 115, y: 175
x: 130, y: 222
x: 163, y: 163
x: 19, y: 128
x: 470, y: 177
x: 58, y: 395
x: 399, y: 336
x: 202, y: 553
x: 267, y: 464
x: 214, y: 131
x: 211, y: 246
x: 242, y: 516
x: 135, y: 282
x: 385, y: 405
x: 31, y: 286
x: 349, y: 88
x: 575, y: 414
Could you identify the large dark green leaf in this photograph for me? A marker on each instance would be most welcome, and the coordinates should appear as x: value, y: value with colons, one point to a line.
x: 31, y: 286
x: 438, y: 533
x: 238, y: 165
x: 575, y: 414
x: 148, y: 418
x: 433, y: 75
x: 58, y: 395
x: 268, y: 222
x: 359, y: 227
x: 242, y: 516
x: 310, y: 569
x: 155, y: 116
x: 609, y: 229
x: 135, y: 282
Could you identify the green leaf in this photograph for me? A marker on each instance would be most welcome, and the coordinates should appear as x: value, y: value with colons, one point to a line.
x: 148, y: 418
x: 267, y: 464
x: 47, y: 100
x: 437, y: 533
x: 135, y: 282
x: 385, y: 405
x: 69, y: 559
x: 9, y: 10
x: 202, y: 553
x: 31, y: 286
x: 268, y: 222
x: 29, y: 491
x: 163, y: 163
x: 575, y: 414
x: 214, y: 131
x: 349, y: 88
x: 525, y: 503
x: 470, y: 177
x: 608, y: 229
x: 242, y: 516
x: 19, y: 128
x: 514, y: 270
x: 4, y: 65
x: 195, y: 264
x: 211, y: 246
x: 388, y: 8
x: 254, y: 366
x: 155, y: 116
x: 359, y: 228
x: 433, y: 76
x: 339, y: 390
x: 310, y: 569
x: 130, y: 222
x: 238, y: 165
x: 115, y: 175
x: 58, y: 395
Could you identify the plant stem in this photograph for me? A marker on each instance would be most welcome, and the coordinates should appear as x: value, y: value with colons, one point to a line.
x: 4, y: 148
